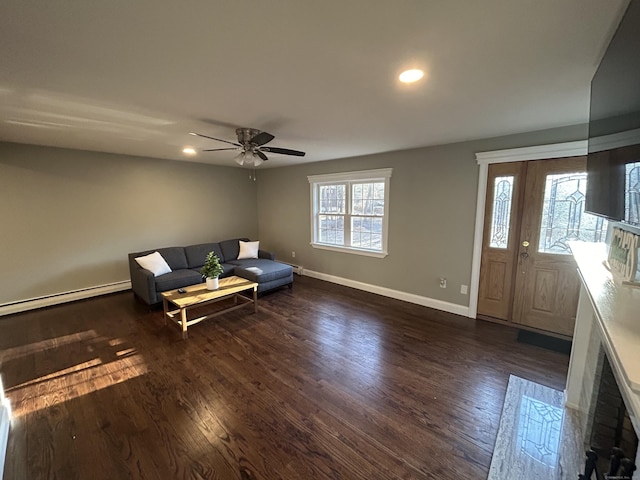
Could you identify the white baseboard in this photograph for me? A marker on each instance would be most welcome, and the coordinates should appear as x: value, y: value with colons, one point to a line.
x: 388, y: 292
x: 49, y: 300
x: 31, y: 304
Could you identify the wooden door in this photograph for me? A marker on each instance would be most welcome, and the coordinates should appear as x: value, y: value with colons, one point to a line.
x: 547, y: 283
x: 532, y: 280
x: 505, y: 187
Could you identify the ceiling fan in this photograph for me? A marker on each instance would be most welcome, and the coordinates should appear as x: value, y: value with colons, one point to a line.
x: 251, y: 145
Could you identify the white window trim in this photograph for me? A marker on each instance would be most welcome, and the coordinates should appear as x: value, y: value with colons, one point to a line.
x: 382, y: 174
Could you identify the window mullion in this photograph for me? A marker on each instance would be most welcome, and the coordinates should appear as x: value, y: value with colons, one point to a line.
x: 347, y: 217
x: 318, y: 212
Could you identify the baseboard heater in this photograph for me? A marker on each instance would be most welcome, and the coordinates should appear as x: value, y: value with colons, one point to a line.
x: 297, y: 269
x: 63, y: 297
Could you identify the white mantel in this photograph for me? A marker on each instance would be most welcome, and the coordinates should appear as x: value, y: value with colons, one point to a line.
x: 5, y: 421
x: 609, y: 316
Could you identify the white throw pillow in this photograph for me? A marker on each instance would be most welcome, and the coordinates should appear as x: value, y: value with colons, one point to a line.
x: 248, y: 250
x: 154, y: 263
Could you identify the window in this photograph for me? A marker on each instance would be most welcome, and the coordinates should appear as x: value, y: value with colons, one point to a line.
x: 349, y: 211
x: 632, y: 193
x: 563, y: 215
x: 501, y: 217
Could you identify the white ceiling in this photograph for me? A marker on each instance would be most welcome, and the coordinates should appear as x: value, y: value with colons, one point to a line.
x: 135, y: 76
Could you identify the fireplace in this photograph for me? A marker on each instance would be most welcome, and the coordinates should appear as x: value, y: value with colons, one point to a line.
x: 603, y: 382
x: 609, y: 431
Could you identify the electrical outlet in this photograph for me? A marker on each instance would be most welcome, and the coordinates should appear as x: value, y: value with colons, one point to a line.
x: 464, y: 289
x: 443, y: 282
x: 293, y: 254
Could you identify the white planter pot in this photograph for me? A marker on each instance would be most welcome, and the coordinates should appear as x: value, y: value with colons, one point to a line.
x: 212, y: 283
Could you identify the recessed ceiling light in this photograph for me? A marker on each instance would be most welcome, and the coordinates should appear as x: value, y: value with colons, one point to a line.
x: 410, y: 76
x: 189, y: 150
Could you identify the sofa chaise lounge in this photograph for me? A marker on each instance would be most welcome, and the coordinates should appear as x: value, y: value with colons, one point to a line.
x: 185, y: 264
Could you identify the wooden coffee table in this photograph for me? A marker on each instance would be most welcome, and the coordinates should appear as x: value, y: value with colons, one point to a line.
x: 198, y: 295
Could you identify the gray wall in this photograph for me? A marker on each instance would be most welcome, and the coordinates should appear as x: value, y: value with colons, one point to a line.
x: 69, y: 218
x: 431, y: 220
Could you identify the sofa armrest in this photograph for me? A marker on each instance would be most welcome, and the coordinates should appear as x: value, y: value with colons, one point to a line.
x: 267, y: 255
x: 143, y: 282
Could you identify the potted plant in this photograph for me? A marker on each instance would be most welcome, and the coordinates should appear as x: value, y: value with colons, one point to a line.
x: 211, y: 269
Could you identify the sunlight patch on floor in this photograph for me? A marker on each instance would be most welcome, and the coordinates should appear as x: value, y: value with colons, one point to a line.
x: 73, y: 382
x: 13, y: 353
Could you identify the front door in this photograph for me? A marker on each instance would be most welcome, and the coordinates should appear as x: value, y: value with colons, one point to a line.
x: 540, y: 283
x: 501, y: 240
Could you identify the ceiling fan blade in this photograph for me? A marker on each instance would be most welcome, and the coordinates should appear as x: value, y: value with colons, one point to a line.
x: 284, y: 151
x: 213, y: 138
x: 261, y: 138
x: 261, y: 155
x: 218, y: 149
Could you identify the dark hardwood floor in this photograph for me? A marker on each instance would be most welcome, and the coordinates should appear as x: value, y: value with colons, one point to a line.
x: 324, y: 382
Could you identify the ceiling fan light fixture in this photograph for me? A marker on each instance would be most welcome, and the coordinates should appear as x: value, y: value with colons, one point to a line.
x: 189, y: 151
x: 250, y: 145
x: 257, y: 161
x: 239, y: 159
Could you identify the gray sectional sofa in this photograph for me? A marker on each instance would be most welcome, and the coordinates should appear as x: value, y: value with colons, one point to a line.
x: 185, y: 263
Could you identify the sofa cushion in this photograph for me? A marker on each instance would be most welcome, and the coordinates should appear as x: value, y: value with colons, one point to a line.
x: 261, y: 270
x: 267, y: 255
x: 227, y: 270
x: 231, y: 248
x: 154, y: 263
x: 280, y: 282
x: 177, y: 279
x: 197, y: 254
x: 174, y: 256
x: 248, y: 249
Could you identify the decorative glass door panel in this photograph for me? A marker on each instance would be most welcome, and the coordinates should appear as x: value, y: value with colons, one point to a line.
x: 632, y: 192
x: 563, y: 215
x: 501, y: 217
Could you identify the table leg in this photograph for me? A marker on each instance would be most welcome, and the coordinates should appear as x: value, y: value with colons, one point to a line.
x: 166, y: 309
x: 183, y: 322
x: 255, y: 299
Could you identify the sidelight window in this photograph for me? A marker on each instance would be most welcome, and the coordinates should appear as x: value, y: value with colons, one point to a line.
x: 632, y: 193
x: 501, y: 216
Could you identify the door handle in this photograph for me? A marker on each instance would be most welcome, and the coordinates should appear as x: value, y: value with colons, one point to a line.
x: 524, y: 255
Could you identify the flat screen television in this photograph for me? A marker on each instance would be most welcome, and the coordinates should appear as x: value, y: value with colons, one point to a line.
x: 613, y: 161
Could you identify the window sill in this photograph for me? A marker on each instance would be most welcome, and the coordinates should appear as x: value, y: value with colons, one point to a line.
x: 355, y: 251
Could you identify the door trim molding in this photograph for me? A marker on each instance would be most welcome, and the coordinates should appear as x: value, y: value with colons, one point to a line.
x: 540, y: 152
x: 484, y: 159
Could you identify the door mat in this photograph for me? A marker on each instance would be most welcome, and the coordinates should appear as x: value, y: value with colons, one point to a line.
x: 545, y: 341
